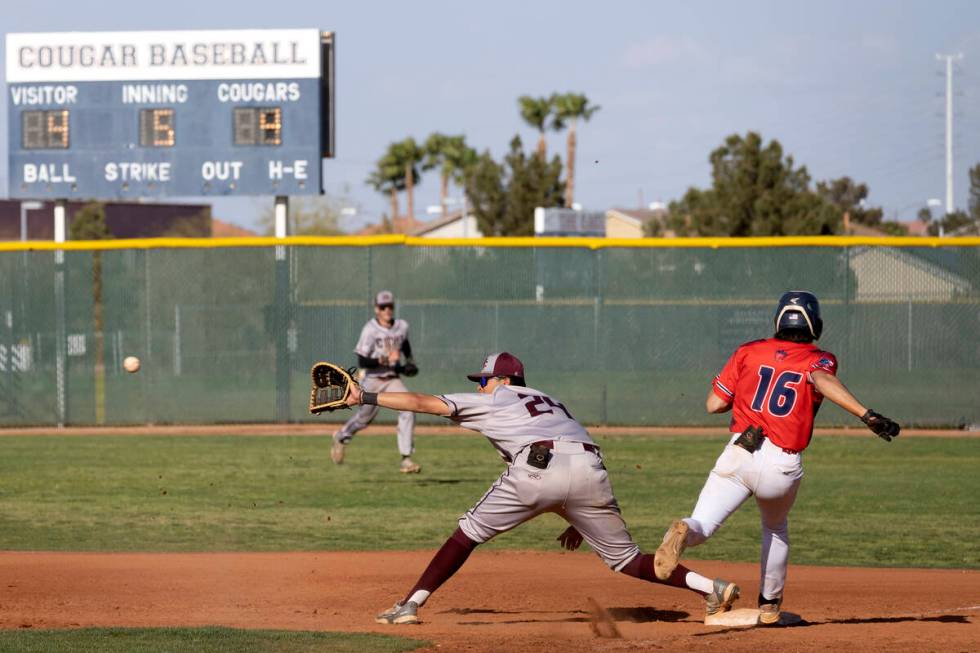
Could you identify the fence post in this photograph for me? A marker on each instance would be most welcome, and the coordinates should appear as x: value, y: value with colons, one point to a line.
x: 282, y: 312
x: 848, y: 309
x: 61, y: 313
x: 177, y: 348
x: 597, y: 359
x: 910, y: 334
x: 147, y: 377
x: 370, y: 281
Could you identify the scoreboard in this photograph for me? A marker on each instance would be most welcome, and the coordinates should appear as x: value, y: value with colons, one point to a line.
x: 122, y: 115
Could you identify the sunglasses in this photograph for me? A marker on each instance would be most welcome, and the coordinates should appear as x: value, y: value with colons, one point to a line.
x: 483, y: 381
x: 386, y: 307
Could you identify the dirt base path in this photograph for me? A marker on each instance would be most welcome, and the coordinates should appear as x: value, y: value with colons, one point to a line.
x: 500, y: 601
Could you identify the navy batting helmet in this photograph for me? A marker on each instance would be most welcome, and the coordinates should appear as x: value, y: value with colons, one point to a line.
x: 799, y: 310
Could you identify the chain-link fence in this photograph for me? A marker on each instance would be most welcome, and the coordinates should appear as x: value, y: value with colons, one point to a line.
x: 623, y: 335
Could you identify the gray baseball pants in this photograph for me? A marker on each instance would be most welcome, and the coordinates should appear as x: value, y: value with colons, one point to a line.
x: 366, y: 414
x: 575, y: 486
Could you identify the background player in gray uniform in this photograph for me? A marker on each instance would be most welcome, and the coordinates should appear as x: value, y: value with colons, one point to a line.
x: 553, y: 466
x: 383, y: 342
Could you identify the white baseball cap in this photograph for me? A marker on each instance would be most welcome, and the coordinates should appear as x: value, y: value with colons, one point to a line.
x: 384, y: 297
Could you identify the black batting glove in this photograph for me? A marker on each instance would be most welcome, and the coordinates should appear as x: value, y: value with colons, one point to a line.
x: 884, y: 428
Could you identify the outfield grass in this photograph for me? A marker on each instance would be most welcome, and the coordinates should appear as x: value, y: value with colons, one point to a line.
x: 213, y: 640
x: 912, y: 502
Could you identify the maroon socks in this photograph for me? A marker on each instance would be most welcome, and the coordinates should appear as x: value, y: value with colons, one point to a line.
x: 642, y: 567
x: 446, y: 562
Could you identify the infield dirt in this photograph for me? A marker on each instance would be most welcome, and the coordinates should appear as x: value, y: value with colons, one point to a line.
x: 500, y: 601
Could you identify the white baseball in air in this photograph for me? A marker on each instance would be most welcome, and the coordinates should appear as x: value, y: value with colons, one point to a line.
x: 131, y: 364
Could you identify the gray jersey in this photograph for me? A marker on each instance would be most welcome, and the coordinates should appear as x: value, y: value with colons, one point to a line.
x: 377, y: 342
x: 514, y: 417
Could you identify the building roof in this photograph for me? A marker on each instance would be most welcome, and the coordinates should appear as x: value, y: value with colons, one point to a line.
x: 400, y: 225
x: 426, y: 227
x: 858, y: 229
x: 916, y: 227
x: 222, y: 229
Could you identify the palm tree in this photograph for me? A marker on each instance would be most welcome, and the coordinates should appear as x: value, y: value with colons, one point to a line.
x: 536, y: 112
x: 386, y: 178
x: 463, y: 158
x: 408, y: 156
x: 569, y: 108
x: 396, y: 170
x: 452, y: 156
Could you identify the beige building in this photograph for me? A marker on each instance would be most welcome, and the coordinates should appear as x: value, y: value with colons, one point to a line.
x: 454, y: 225
x: 888, y: 274
x: 631, y: 223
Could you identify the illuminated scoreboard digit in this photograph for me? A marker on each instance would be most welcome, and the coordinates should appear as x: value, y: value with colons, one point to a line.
x: 258, y: 126
x: 44, y: 130
x: 116, y: 115
x: 157, y: 128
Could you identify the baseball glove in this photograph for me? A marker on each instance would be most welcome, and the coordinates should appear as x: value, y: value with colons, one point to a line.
x: 884, y: 428
x: 408, y: 369
x: 331, y: 387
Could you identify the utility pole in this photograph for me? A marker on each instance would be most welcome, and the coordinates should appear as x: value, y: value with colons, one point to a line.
x: 949, y: 58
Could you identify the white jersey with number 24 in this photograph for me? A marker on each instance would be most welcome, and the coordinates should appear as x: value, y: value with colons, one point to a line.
x: 514, y: 417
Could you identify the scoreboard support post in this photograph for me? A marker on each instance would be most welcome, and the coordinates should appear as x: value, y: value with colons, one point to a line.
x: 60, y: 222
x: 282, y: 216
x: 283, y: 321
x: 61, y: 313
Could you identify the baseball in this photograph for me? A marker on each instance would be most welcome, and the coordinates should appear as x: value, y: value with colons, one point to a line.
x: 131, y: 364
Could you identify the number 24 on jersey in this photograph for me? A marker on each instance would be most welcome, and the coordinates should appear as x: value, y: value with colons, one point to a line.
x: 538, y: 405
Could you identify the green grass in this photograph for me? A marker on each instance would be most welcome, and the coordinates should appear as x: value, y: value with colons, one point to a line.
x: 912, y: 502
x: 212, y: 640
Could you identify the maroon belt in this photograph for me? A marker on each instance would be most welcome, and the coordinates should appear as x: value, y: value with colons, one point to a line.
x: 550, y: 444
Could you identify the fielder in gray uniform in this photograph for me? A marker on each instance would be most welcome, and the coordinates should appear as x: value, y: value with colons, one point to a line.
x: 383, y: 343
x: 552, y: 466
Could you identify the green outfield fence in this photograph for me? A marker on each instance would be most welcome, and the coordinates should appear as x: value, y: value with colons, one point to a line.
x: 624, y: 332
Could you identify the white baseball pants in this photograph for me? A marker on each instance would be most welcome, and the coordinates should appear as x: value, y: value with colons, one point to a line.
x: 773, y: 476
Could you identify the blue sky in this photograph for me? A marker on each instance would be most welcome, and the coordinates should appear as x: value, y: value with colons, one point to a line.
x: 848, y: 88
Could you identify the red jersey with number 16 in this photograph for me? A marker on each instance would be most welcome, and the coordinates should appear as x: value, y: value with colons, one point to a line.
x: 768, y: 382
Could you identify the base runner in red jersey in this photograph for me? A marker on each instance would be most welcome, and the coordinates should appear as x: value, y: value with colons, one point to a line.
x: 774, y: 388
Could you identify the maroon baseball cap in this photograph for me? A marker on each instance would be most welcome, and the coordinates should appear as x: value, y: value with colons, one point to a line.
x: 502, y: 364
